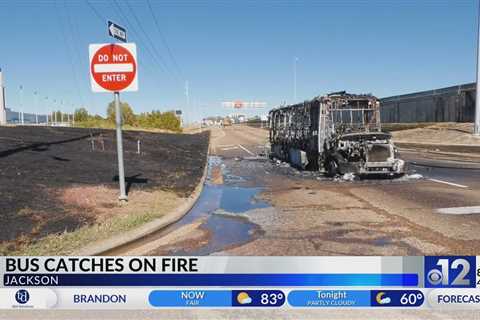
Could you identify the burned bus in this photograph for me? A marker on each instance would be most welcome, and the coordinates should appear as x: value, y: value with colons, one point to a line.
x: 338, y: 133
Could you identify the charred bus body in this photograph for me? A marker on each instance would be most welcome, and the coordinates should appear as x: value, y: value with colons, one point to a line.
x: 338, y: 133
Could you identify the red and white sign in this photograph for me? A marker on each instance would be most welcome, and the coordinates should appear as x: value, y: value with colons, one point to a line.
x: 113, y: 67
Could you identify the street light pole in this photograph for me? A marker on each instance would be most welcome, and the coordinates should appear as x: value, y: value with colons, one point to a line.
x: 476, y: 127
x: 295, y: 59
x: 35, y: 96
x: 20, y: 113
x: 187, y: 96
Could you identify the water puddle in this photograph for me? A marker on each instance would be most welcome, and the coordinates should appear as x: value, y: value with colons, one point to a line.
x: 225, y: 230
x: 221, y: 206
x: 383, y: 241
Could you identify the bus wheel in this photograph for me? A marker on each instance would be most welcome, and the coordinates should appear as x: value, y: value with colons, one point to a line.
x: 332, y: 170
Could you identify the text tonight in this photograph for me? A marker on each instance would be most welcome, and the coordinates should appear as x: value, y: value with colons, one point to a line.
x: 30, y: 280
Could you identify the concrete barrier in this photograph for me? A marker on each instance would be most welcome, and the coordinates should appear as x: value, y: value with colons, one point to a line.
x: 451, y: 104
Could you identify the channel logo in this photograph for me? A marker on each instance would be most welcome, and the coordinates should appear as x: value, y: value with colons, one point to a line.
x: 22, y: 296
x: 450, y: 272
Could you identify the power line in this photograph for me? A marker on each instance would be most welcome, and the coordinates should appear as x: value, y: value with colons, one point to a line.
x: 98, y: 14
x: 148, y: 38
x: 127, y: 21
x: 164, y: 39
x: 70, y: 59
x: 76, y: 55
x: 104, y: 20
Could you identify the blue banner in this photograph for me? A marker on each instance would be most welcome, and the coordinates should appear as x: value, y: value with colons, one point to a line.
x: 329, y: 298
x: 190, y: 298
x: 208, y: 280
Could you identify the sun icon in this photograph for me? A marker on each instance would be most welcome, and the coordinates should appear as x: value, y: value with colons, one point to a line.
x: 244, y: 298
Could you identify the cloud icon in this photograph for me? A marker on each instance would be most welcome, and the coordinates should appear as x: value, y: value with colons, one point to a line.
x: 244, y: 298
x: 381, y: 300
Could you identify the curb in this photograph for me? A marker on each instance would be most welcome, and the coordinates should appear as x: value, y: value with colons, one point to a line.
x: 103, y: 246
x: 457, y: 148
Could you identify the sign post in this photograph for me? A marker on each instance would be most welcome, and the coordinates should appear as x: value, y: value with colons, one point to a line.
x: 113, y: 68
x: 118, y: 129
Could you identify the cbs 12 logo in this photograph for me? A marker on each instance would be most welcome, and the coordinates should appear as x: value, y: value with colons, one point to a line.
x: 450, y: 271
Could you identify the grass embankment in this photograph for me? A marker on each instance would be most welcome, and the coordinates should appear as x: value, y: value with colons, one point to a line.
x: 129, y: 216
x: 103, y: 124
x: 59, y: 193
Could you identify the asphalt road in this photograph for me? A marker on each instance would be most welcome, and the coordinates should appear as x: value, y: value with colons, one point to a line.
x: 317, y: 216
x: 253, y: 206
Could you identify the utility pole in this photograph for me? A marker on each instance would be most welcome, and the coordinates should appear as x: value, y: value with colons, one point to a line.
x: 3, y: 112
x: 294, y: 79
x: 476, y: 126
x: 35, y: 96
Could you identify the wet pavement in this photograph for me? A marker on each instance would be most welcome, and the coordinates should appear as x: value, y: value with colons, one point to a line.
x: 218, y: 216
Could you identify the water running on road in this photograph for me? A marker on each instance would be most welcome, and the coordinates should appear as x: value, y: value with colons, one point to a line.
x: 215, y: 223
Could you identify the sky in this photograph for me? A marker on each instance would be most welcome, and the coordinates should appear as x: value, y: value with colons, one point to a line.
x: 235, y: 50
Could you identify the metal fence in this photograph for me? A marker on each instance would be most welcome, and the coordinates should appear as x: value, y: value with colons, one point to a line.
x: 25, y: 118
x: 451, y: 104
x: 28, y: 118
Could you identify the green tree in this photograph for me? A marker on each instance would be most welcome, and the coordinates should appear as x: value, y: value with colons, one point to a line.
x: 128, y: 117
x: 159, y: 120
x: 81, y: 115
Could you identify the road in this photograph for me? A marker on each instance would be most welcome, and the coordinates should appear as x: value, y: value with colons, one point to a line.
x: 253, y: 206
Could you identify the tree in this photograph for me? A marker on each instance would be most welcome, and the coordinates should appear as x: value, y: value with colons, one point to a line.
x: 128, y: 117
x: 159, y: 120
x: 81, y: 115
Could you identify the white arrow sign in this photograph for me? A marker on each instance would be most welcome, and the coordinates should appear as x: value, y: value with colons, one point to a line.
x: 116, y: 31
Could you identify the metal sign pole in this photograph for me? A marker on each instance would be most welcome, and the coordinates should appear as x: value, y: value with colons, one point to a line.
x: 121, y: 170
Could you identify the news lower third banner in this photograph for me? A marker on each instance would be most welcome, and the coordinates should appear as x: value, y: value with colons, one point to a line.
x: 239, y: 282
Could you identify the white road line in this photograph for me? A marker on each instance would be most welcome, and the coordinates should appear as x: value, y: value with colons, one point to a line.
x: 459, y: 210
x: 229, y: 148
x: 246, y: 150
x: 449, y: 183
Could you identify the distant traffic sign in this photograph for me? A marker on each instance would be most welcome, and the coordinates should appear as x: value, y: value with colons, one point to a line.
x: 116, y: 31
x: 113, y: 67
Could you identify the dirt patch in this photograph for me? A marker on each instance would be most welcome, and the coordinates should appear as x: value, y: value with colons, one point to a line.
x: 88, y: 197
x: 440, y: 133
x: 57, y: 180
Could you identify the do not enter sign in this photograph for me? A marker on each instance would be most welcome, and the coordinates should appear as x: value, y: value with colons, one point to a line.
x: 113, y: 67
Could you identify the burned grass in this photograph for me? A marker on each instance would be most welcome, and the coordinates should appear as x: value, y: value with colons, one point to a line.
x: 57, y: 180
